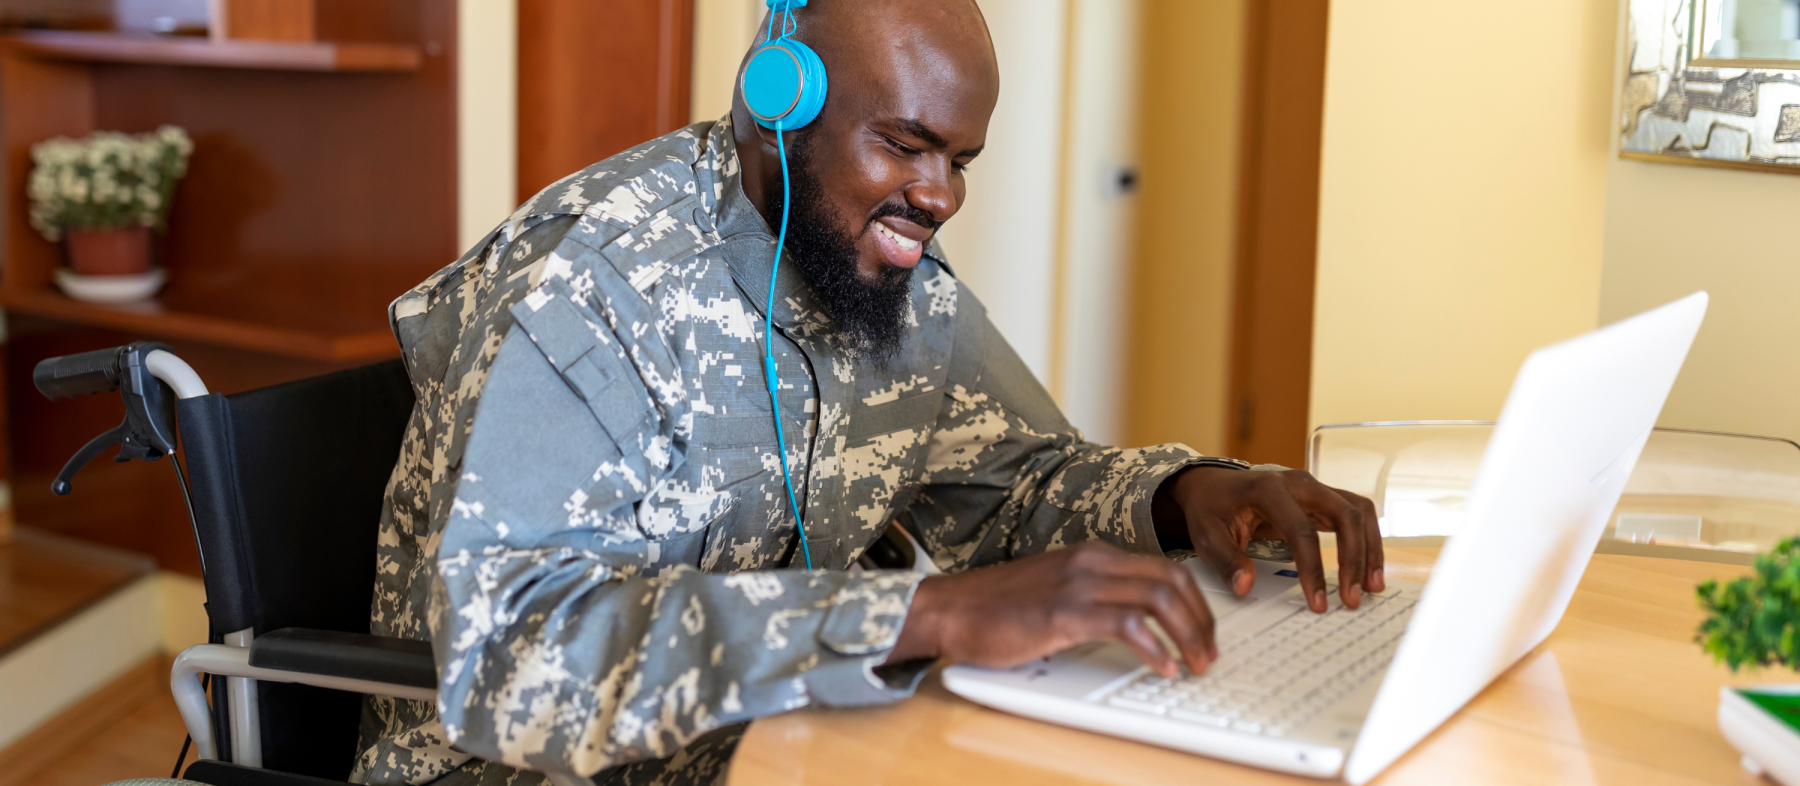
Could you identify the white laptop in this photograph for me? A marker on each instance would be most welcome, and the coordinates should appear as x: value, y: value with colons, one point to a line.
x: 1348, y: 691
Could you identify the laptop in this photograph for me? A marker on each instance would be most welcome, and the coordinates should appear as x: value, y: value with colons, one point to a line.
x: 1347, y: 692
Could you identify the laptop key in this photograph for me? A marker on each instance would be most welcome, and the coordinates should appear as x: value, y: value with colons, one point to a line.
x: 1152, y: 707
x: 1244, y: 681
x: 1198, y: 716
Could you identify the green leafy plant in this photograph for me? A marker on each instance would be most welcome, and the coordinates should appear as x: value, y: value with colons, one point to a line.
x: 1753, y: 621
x: 105, y: 181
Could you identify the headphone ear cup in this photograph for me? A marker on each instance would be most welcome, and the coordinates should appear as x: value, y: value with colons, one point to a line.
x: 813, y: 90
x: 785, y: 83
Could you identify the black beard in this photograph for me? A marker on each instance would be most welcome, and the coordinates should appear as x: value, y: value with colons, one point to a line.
x: 870, y: 318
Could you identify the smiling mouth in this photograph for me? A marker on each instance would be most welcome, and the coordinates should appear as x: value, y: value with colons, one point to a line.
x: 903, y: 243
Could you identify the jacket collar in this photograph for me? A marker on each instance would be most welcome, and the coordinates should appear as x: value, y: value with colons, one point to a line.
x: 744, y: 237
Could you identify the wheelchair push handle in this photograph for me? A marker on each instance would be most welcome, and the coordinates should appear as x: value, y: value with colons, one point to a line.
x: 75, y: 375
x: 148, y: 377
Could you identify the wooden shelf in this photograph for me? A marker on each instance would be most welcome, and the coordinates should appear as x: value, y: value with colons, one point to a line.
x: 194, y: 51
x: 155, y: 320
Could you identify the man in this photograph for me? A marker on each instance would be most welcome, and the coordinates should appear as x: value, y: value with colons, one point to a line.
x: 588, y: 519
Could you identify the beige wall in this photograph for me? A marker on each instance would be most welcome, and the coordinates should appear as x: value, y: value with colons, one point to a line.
x: 723, y: 29
x: 1673, y: 229
x: 487, y: 131
x: 1180, y: 300
x: 1003, y: 241
x: 1462, y: 199
x: 1098, y: 233
x: 1738, y: 243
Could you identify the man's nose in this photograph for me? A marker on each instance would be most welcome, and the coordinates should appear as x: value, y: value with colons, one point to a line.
x: 933, y: 195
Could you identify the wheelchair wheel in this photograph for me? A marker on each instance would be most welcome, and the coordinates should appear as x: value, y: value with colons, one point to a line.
x: 154, y: 782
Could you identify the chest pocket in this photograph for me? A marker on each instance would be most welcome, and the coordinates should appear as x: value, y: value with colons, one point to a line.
x: 732, y: 446
x: 581, y: 348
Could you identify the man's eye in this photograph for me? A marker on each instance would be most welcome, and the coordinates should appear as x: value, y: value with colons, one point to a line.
x: 959, y: 166
x: 904, y: 150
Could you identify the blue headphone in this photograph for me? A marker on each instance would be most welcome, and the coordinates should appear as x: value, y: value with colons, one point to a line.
x: 784, y: 88
x: 784, y: 84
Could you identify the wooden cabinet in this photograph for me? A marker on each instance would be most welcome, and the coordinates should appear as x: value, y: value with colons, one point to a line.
x: 312, y: 20
x: 322, y: 185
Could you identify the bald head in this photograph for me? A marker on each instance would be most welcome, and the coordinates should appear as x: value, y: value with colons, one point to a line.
x: 876, y: 38
x: 912, y: 85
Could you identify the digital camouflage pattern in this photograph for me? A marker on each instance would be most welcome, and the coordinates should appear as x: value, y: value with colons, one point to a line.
x: 588, y: 519
x: 1271, y: 549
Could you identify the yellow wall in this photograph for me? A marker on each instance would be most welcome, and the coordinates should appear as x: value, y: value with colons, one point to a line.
x: 1180, y: 301
x: 1671, y: 230
x: 723, y: 29
x: 487, y: 123
x: 1461, y: 199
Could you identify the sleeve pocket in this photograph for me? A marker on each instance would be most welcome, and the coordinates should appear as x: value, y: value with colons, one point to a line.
x: 588, y: 358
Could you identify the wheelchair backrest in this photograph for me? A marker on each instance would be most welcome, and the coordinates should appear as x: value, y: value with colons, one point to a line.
x: 287, y: 484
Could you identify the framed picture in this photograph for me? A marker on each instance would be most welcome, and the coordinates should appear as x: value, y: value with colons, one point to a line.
x: 1713, y: 83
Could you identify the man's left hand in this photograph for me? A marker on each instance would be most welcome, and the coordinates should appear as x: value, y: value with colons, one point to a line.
x: 1219, y: 510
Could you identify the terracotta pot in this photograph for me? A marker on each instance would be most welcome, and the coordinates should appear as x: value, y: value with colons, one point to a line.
x: 109, y: 252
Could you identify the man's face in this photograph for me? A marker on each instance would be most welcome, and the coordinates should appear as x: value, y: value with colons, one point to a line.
x: 890, y: 162
x: 882, y: 167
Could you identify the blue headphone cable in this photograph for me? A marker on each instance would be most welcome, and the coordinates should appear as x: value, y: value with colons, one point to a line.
x: 769, y: 375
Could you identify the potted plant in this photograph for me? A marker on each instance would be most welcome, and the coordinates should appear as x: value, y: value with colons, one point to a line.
x: 102, y: 196
x: 1754, y: 621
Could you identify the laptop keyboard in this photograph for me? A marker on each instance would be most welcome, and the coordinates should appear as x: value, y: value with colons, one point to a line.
x: 1274, y: 680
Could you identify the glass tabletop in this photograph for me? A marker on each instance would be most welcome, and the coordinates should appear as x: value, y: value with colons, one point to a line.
x: 1694, y: 494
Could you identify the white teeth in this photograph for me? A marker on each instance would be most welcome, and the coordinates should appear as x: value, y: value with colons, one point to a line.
x: 905, y: 243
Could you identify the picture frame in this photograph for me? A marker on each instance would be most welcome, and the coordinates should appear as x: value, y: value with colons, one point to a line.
x: 1681, y: 102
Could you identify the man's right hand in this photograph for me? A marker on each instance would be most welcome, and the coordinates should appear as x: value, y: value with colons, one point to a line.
x: 1005, y: 615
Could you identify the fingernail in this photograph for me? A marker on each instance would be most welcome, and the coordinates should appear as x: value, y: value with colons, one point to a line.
x: 1353, y: 595
x: 1319, y: 599
x: 1378, y: 580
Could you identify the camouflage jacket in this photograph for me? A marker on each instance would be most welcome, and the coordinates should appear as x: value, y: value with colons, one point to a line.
x: 588, y: 518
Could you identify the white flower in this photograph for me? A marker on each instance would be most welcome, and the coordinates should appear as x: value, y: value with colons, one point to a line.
x: 108, y: 178
x: 42, y: 187
x: 105, y: 188
x: 177, y: 138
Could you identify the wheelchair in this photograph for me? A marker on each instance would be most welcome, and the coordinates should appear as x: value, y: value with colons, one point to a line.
x: 284, y: 486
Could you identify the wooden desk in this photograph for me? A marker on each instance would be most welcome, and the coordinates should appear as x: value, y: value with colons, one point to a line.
x: 1619, y: 693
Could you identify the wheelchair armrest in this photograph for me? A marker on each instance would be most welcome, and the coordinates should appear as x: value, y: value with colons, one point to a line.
x: 357, y: 656
x: 313, y: 661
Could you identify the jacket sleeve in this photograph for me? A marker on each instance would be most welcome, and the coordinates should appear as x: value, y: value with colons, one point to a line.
x: 558, y: 648
x: 1006, y: 475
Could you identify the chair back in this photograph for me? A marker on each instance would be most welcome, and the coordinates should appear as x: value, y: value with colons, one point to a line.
x: 287, y: 484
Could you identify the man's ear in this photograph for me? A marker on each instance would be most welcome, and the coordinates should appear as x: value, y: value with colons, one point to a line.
x: 740, y: 117
x: 767, y: 135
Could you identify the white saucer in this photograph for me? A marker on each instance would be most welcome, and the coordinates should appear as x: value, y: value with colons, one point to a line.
x: 111, y: 289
